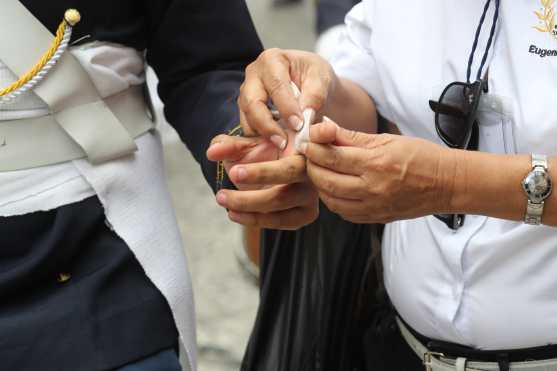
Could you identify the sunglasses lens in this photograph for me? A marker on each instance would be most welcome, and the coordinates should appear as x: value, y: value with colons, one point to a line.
x: 452, y: 115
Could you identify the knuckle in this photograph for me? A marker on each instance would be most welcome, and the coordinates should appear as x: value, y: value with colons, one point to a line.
x: 270, y: 53
x: 333, y: 160
x: 354, y: 135
x: 219, y: 139
x: 275, y: 84
x: 251, y: 68
x: 250, y: 106
x: 292, y: 171
x: 330, y: 188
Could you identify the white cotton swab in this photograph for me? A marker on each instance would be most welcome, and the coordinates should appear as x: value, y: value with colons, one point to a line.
x: 309, y: 116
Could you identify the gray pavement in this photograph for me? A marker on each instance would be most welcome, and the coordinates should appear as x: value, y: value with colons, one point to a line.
x: 226, y: 301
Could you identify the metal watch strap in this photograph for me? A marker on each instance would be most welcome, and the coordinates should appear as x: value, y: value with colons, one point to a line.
x: 539, y: 160
x: 534, y: 210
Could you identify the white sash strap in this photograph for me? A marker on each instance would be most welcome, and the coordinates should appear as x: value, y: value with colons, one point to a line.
x: 460, y: 364
x: 69, y: 92
x: 36, y: 142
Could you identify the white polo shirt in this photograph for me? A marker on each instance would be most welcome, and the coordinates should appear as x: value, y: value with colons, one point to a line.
x: 493, y: 283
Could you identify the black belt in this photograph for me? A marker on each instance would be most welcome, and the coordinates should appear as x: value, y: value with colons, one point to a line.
x: 506, y: 355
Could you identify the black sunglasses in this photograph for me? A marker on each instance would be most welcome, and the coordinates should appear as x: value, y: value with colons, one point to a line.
x: 456, y: 112
x: 456, y: 123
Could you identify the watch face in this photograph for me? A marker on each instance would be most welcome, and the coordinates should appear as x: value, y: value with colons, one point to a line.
x: 537, y: 185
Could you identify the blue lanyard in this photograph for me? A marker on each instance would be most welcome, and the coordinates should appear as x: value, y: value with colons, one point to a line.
x: 489, y: 42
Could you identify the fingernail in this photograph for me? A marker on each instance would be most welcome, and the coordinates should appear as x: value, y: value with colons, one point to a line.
x: 326, y: 119
x: 295, y: 123
x: 241, y: 174
x: 279, y: 141
x: 303, y: 148
x: 221, y: 198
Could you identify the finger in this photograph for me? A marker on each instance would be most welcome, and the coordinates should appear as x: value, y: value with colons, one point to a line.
x: 342, y: 206
x: 260, y: 119
x: 285, y: 220
x: 247, y: 130
x: 267, y: 200
x: 256, y: 115
x: 276, y: 78
x: 230, y: 148
x: 346, y: 160
x: 335, y: 184
x: 288, y: 170
x: 324, y: 132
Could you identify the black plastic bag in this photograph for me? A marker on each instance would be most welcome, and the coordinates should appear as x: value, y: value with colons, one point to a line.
x: 313, y: 313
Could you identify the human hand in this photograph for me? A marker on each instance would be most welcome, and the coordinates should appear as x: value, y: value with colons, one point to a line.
x: 369, y: 178
x: 273, y: 187
x: 270, y: 78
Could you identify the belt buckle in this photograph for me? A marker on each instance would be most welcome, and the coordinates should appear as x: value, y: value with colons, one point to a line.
x: 428, y: 357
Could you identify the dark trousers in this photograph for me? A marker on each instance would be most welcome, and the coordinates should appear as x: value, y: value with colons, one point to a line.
x: 166, y: 360
x: 384, y: 347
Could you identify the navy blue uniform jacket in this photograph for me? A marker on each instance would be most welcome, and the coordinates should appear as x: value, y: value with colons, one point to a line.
x: 109, y: 314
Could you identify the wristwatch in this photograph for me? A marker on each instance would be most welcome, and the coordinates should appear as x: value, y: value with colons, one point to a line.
x: 538, y: 187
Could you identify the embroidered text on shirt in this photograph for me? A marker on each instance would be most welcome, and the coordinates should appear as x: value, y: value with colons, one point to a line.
x: 542, y: 52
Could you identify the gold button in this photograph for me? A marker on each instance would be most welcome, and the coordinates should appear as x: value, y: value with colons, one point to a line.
x: 64, y: 277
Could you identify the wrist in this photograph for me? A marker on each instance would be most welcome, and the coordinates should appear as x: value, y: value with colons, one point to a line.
x: 489, y: 184
x: 450, y: 171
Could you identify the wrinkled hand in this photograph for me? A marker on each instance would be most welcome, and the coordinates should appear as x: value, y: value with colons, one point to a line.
x: 274, y: 191
x: 269, y: 78
x: 378, y: 178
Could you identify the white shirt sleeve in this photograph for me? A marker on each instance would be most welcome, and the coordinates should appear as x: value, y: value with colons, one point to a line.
x: 353, y: 58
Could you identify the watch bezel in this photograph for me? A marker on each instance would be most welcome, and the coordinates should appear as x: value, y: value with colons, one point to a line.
x: 537, y: 197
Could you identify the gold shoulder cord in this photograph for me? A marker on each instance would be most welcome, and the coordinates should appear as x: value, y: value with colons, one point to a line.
x: 36, y: 74
x: 237, y: 131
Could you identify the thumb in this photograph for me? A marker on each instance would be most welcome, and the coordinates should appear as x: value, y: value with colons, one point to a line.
x: 329, y: 132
